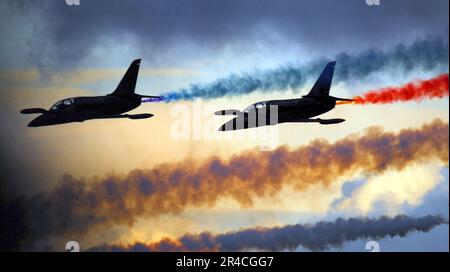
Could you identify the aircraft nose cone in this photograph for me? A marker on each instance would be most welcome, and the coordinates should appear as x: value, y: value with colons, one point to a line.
x: 38, y: 121
x: 33, y: 123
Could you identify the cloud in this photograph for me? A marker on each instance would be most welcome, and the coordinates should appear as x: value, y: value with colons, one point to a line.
x: 76, y: 205
x: 14, y: 226
x: 82, y: 76
x: 19, y: 75
x: 320, y: 236
x: 391, y: 190
x: 61, y: 35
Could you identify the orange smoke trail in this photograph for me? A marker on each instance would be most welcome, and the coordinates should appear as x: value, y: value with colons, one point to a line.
x: 414, y: 91
x: 76, y: 205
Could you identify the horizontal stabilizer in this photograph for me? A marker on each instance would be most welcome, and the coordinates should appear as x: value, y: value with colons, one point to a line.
x: 342, y: 99
x: 149, y: 96
x: 33, y: 111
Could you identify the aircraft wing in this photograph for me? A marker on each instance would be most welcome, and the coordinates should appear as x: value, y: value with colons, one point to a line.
x: 237, y: 123
x: 130, y: 116
x: 320, y: 121
x: 240, y: 123
x: 231, y: 125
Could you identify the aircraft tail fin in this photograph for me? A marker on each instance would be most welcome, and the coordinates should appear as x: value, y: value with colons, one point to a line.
x: 128, y: 83
x: 323, y: 83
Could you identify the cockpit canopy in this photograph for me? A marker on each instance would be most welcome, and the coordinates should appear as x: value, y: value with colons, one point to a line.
x: 62, y: 104
x: 256, y: 106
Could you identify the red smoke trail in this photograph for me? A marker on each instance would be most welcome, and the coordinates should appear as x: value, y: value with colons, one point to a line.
x: 414, y: 91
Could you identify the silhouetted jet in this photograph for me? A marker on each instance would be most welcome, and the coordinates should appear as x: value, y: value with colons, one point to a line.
x: 318, y: 101
x: 79, y: 109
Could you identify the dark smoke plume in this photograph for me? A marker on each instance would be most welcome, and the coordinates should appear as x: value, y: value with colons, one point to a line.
x: 321, y: 236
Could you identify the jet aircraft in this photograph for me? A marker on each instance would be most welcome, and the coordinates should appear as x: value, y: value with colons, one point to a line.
x: 272, y: 112
x: 79, y: 109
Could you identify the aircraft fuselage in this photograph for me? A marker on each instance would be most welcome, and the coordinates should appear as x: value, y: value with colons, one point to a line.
x: 272, y: 112
x: 291, y: 110
x: 101, y: 105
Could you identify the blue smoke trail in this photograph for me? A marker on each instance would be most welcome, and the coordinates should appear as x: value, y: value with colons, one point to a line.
x: 425, y: 54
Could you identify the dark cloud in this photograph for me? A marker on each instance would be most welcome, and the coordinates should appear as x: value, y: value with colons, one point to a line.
x: 320, y: 236
x: 68, y: 33
x: 14, y: 227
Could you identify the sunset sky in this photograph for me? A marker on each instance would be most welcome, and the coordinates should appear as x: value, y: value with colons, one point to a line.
x: 50, y: 51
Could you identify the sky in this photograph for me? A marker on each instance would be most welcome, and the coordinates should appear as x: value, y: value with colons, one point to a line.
x: 117, y: 183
